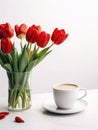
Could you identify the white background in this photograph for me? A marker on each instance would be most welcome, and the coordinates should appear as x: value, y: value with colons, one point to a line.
x: 74, y: 61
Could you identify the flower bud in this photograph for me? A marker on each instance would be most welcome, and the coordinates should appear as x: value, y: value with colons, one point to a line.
x: 31, y: 52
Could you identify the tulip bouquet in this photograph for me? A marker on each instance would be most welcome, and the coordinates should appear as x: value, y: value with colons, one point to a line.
x: 34, y: 48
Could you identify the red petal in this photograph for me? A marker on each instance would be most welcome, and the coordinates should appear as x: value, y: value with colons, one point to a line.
x: 5, y: 113
x: 19, y: 119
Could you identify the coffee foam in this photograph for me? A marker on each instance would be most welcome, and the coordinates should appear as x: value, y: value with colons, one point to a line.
x: 66, y: 87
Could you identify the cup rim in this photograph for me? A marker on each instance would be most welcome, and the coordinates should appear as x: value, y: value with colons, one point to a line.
x: 70, y: 84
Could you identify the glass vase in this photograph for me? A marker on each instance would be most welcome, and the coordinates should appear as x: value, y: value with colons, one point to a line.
x: 19, y: 91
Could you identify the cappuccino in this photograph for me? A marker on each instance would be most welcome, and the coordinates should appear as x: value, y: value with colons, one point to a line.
x: 66, y: 87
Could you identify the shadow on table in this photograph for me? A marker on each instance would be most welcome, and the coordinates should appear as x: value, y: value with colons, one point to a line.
x: 45, y: 112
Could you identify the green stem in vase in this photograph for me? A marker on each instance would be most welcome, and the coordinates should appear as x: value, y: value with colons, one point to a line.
x: 19, y: 91
x: 13, y: 90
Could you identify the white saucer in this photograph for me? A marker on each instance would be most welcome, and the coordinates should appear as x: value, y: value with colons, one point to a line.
x: 79, y: 106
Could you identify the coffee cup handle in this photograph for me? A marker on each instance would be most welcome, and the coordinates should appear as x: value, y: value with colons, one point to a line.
x: 85, y: 93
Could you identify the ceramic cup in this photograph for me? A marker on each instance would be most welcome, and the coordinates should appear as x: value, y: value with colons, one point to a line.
x: 65, y: 95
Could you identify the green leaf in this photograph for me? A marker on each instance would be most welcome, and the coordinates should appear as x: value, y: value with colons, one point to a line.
x: 1, y: 62
x: 35, y: 51
x: 15, y: 59
x: 43, y: 51
x: 3, y: 57
x: 35, y: 48
x: 31, y: 64
x: 23, y: 62
x: 41, y: 57
x: 37, y: 54
x: 7, y: 67
x: 38, y: 57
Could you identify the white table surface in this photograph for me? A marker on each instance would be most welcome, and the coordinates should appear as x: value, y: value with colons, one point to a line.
x: 36, y: 118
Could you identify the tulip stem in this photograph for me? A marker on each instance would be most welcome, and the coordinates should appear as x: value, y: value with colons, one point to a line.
x: 51, y: 45
x: 10, y: 58
x: 21, y: 43
x: 30, y: 46
x: 37, y: 49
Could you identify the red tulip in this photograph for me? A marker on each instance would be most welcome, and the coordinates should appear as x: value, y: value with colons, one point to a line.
x: 7, y: 30
x: 6, y: 45
x: 1, y: 31
x: 32, y: 33
x: 43, y: 39
x: 20, y: 30
x: 58, y: 36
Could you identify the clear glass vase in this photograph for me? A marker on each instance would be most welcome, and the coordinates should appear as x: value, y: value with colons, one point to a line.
x: 19, y: 91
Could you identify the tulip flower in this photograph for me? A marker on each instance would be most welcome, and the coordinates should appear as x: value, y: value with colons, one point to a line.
x: 20, y: 30
x: 7, y: 30
x: 32, y: 33
x: 1, y: 31
x: 43, y: 39
x: 58, y: 36
x: 6, y: 45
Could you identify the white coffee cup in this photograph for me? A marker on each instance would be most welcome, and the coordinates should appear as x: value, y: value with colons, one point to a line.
x: 65, y: 95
